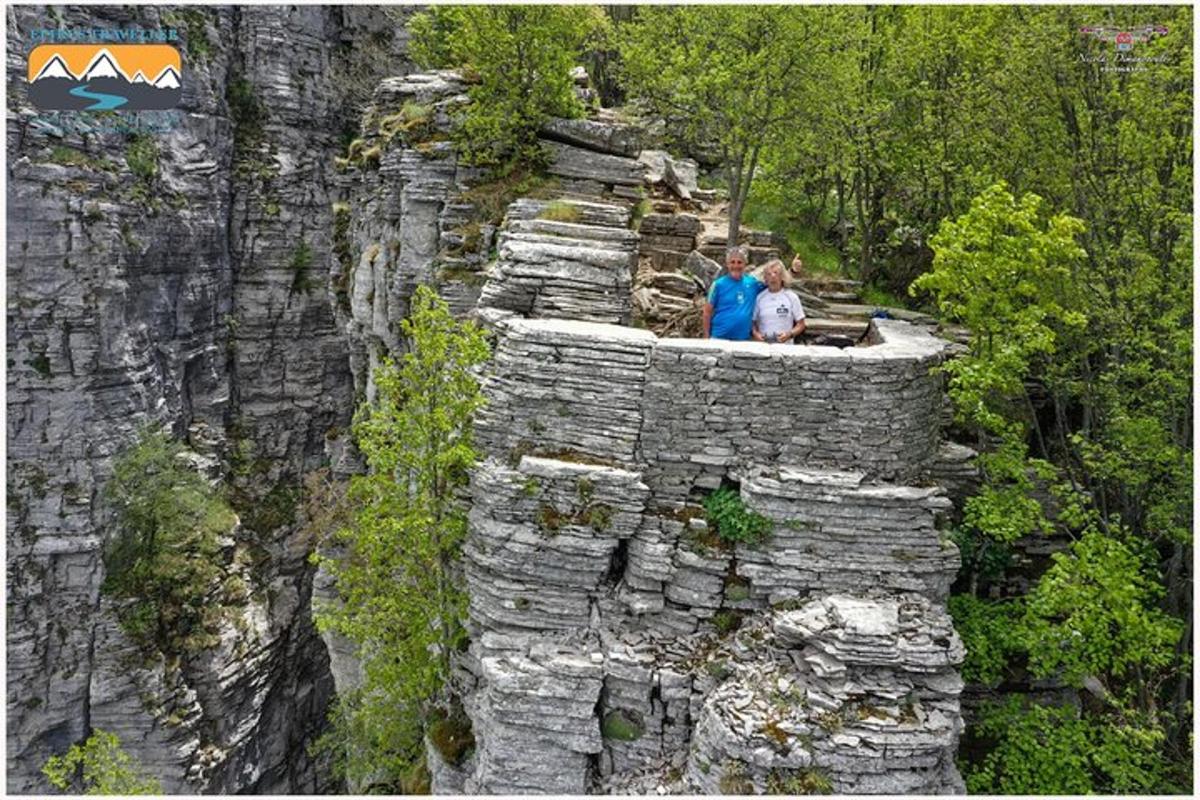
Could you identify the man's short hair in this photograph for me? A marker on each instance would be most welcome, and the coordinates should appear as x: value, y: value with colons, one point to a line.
x: 737, y: 250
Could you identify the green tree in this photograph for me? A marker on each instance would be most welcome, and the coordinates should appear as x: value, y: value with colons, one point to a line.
x: 1093, y: 621
x: 394, y: 573
x: 519, y: 59
x: 1008, y: 273
x: 163, y: 560
x: 723, y: 77
x: 99, y: 766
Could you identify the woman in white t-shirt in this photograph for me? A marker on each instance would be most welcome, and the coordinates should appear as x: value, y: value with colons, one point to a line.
x: 778, y: 315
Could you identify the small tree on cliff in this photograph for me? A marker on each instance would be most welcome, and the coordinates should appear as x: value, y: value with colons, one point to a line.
x: 400, y: 603
x: 99, y: 766
x: 723, y: 76
x: 520, y: 59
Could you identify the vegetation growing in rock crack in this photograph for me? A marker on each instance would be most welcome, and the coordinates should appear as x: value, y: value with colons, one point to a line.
x: 393, y: 564
x: 99, y: 767
x: 728, y: 515
x: 162, y: 561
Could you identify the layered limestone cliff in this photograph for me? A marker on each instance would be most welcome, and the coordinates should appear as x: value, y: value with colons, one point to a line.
x: 617, y: 644
x: 178, y: 277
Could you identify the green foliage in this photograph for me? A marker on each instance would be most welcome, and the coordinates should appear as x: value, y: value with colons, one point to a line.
x: 988, y: 631
x: 300, y: 264
x: 724, y: 77
x: 99, y: 767
x: 622, y: 726
x: 519, y: 58
x: 69, y: 156
x: 504, y: 185
x: 801, y: 230
x: 726, y: 621
x: 246, y: 112
x: 399, y: 602
x: 141, y: 154
x: 1009, y: 275
x: 1054, y: 750
x: 727, y: 514
x: 163, y: 558
x: 798, y: 782
x: 1093, y: 614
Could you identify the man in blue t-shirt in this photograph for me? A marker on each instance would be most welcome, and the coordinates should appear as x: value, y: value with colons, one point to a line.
x: 730, y: 306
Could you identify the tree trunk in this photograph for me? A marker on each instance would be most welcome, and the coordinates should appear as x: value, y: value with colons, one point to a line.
x: 864, y: 231
x: 840, y: 183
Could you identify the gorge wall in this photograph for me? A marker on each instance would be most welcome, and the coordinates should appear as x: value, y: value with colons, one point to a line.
x: 180, y: 278
x: 241, y: 292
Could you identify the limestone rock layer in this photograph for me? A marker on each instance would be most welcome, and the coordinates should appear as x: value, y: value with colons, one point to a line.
x: 177, y: 276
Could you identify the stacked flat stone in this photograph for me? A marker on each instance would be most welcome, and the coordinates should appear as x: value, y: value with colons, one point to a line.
x: 541, y: 541
x: 601, y: 137
x: 644, y: 424
x: 667, y: 239
x: 712, y: 404
x: 556, y: 386
x: 833, y: 532
x: 591, y: 172
x: 569, y: 270
x: 859, y: 690
x: 535, y: 721
x: 954, y: 468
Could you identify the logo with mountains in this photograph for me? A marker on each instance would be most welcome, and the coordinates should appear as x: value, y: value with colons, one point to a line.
x: 84, y: 77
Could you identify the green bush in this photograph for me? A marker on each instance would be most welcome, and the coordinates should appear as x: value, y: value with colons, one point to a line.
x: 99, y: 767
x: 141, y: 154
x: 300, y: 264
x: 163, y: 559
x: 987, y: 629
x: 727, y: 514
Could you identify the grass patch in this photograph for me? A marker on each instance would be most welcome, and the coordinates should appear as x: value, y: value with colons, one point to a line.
x: 877, y: 296
x: 463, y: 275
x: 70, y: 157
x: 817, y: 255
x: 797, y: 782
x: 450, y: 734
x: 141, y: 154
x: 734, y: 780
x: 737, y: 590
x: 560, y: 211
x: 492, y: 198
x: 727, y: 621
x: 622, y: 726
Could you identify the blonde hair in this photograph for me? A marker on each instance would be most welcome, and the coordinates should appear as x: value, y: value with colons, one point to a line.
x: 775, y: 263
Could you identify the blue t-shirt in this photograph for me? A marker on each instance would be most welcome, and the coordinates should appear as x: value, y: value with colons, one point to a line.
x: 733, y: 306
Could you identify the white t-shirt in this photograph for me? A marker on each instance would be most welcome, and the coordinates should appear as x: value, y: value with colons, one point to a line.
x: 777, y: 312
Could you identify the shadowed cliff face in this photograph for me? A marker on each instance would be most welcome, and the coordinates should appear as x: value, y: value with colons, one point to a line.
x: 178, y: 277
